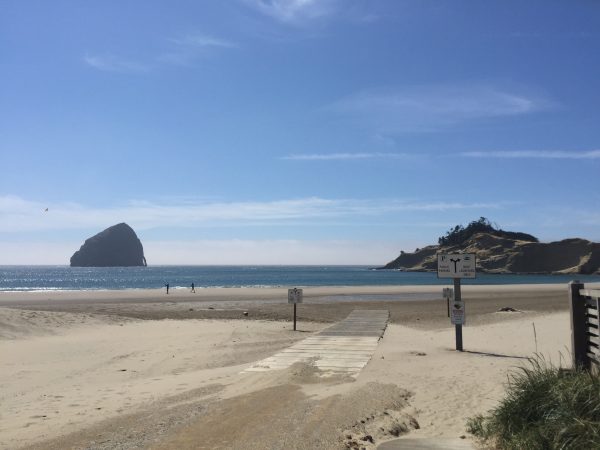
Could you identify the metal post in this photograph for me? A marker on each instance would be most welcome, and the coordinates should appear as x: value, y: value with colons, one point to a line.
x: 458, y: 328
x: 294, y: 317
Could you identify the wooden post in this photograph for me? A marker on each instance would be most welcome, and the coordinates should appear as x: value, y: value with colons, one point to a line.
x: 447, y: 293
x: 295, y: 296
x: 578, y: 326
x: 458, y: 328
x: 595, y: 366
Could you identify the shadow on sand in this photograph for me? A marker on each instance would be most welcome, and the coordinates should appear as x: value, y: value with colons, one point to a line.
x: 495, y: 355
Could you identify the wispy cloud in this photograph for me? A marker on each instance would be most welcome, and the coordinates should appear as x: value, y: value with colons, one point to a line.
x: 112, y: 63
x: 187, y: 49
x: 526, y: 34
x: 219, y: 251
x: 181, y: 51
x: 434, y: 107
x: 20, y: 215
x: 579, y: 34
x: 534, y: 154
x: 344, y: 156
x: 294, y: 11
x: 289, y: 251
x: 202, y: 41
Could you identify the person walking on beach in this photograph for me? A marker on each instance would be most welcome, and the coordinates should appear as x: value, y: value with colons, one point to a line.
x: 167, y: 286
x: 193, y: 290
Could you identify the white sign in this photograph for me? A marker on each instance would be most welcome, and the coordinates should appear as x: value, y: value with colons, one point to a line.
x: 457, y: 313
x: 448, y: 293
x: 458, y: 265
x: 294, y: 295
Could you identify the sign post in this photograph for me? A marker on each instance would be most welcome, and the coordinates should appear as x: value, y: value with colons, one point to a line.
x: 457, y: 266
x: 456, y: 318
x: 295, y: 297
x: 448, y: 294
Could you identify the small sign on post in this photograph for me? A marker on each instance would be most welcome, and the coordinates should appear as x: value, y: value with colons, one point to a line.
x: 295, y: 297
x: 457, y: 266
x: 457, y: 314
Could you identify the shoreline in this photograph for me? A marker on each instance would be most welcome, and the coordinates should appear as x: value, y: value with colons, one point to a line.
x: 314, y: 289
x: 467, y: 283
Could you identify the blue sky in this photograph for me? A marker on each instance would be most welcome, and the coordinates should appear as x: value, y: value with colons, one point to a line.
x: 294, y: 131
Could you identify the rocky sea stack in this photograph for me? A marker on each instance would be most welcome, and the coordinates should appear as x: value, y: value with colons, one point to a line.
x: 117, y: 246
x: 500, y: 251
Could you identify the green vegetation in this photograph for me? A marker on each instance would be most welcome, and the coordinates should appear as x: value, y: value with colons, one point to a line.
x: 459, y: 234
x: 545, y: 408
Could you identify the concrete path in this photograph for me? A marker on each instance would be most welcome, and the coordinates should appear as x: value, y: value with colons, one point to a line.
x: 345, y: 347
x: 427, y: 444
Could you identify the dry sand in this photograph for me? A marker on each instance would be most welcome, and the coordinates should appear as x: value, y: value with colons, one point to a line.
x: 135, y: 369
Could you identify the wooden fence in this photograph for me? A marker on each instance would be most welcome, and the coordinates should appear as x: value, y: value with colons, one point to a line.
x: 585, y: 336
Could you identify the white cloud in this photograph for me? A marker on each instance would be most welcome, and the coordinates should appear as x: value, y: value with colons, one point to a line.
x: 294, y: 10
x: 215, y: 252
x: 433, y: 107
x: 19, y: 215
x: 26, y: 253
x: 202, y: 41
x: 295, y: 252
x: 181, y: 51
x: 534, y: 154
x: 580, y: 34
x: 111, y: 63
x: 344, y: 156
x: 186, y: 50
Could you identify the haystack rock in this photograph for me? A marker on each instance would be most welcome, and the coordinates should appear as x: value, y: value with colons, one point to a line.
x: 117, y: 246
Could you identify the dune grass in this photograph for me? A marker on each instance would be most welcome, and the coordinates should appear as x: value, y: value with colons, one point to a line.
x: 544, y: 408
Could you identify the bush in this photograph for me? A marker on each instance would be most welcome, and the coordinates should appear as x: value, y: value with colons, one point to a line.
x: 544, y: 408
x: 459, y: 234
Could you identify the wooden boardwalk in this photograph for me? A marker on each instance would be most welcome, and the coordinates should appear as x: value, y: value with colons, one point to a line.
x: 345, y: 347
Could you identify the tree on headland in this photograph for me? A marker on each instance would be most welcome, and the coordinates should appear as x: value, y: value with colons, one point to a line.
x: 460, y: 234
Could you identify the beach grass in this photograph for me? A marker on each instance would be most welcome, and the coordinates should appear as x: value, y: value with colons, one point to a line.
x: 545, y: 407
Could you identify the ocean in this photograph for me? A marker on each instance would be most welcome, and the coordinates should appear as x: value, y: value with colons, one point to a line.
x: 40, y: 278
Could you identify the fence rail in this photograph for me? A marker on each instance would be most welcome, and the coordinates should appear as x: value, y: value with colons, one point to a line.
x: 585, y: 326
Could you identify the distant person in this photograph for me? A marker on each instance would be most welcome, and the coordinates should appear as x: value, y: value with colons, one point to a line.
x: 167, y: 286
x: 193, y: 289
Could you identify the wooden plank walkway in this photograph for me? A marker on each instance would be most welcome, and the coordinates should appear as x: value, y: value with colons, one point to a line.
x: 345, y: 347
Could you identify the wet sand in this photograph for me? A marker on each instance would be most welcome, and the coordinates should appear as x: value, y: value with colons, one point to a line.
x: 414, y: 306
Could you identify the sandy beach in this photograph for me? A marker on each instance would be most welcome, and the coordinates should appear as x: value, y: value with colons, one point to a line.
x: 140, y: 369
